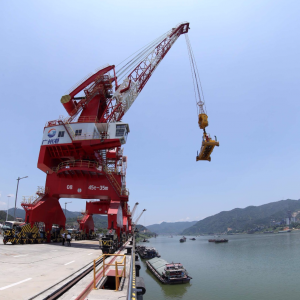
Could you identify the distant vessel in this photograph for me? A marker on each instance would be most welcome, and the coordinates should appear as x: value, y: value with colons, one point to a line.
x: 284, y: 231
x: 193, y: 239
x: 183, y: 239
x: 166, y: 273
x: 147, y: 252
x: 217, y: 241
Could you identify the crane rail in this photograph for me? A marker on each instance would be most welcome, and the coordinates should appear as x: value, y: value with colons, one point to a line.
x: 63, y: 289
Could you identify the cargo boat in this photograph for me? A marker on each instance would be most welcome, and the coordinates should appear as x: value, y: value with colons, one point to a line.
x: 147, y: 252
x: 183, y: 239
x: 217, y: 241
x: 167, y: 273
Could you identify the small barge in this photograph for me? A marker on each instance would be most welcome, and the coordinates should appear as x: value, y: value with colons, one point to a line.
x: 183, y: 239
x: 147, y: 252
x: 217, y: 241
x: 166, y: 273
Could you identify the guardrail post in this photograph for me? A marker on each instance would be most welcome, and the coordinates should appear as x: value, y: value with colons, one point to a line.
x: 94, y: 275
x: 117, y: 278
x: 103, y: 265
x: 125, y: 267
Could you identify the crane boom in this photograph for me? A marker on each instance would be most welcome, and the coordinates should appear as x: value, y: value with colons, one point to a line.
x: 137, y: 219
x: 130, y: 88
x: 134, y: 208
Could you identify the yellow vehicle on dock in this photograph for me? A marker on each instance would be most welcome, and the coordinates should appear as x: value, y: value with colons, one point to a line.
x: 21, y: 233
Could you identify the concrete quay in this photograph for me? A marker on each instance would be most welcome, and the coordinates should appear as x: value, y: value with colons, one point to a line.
x: 36, y: 271
x: 27, y: 270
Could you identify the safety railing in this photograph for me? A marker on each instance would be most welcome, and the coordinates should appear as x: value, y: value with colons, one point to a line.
x: 75, y: 164
x: 87, y: 136
x: 131, y: 291
x: 88, y: 119
x: 117, y: 264
x: 29, y: 199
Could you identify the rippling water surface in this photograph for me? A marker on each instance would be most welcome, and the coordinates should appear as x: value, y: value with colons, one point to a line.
x: 248, y: 267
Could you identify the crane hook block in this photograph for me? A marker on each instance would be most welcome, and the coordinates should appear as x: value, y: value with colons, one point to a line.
x: 207, y: 148
x: 68, y: 104
x: 202, y: 121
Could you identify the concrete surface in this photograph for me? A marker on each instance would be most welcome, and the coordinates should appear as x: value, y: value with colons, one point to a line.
x: 100, y: 294
x: 27, y: 270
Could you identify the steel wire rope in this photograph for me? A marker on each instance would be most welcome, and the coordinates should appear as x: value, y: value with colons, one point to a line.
x: 195, y: 77
x: 141, y: 56
x: 190, y: 61
x: 194, y: 70
x: 149, y: 44
x: 197, y: 72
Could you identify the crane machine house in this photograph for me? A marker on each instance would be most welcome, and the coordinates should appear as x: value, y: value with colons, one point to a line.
x: 58, y: 134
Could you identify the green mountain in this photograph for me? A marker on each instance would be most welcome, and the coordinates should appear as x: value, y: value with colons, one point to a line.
x: 170, y: 228
x: 244, y: 219
x: 20, y: 212
x: 142, y: 229
x: 99, y: 220
x: 3, y: 216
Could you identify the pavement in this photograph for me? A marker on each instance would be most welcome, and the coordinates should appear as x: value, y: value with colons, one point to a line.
x: 27, y: 270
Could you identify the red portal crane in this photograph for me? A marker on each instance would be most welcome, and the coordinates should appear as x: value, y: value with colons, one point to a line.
x: 82, y: 155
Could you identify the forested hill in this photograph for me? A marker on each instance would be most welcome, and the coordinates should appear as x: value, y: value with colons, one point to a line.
x: 170, y: 228
x: 243, y: 219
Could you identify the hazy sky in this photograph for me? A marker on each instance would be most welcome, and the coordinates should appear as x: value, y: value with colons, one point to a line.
x: 248, y: 57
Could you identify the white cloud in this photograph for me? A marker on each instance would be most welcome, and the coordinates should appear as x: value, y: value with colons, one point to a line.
x: 3, y: 205
x: 184, y: 220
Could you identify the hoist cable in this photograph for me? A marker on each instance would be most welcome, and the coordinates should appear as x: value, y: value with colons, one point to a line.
x: 197, y: 73
x: 196, y: 78
x: 190, y: 61
x: 144, y: 50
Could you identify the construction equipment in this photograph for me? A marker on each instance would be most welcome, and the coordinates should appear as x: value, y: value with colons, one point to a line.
x: 137, y: 219
x: 208, y: 143
x: 134, y: 208
x: 22, y: 233
x: 82, y: 155
x: 109, y: 243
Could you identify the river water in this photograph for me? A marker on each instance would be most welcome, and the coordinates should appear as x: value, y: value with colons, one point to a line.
x: 248, y: 267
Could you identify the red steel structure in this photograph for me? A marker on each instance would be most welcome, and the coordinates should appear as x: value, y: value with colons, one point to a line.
x: 82, y: 155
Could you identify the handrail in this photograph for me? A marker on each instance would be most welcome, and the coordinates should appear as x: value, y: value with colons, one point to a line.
x: 76, y: 163
x: 132, y: 279
x: 121, y: 263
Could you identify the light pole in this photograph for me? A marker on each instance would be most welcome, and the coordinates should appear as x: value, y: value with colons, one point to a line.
x: 17, y: 195
x: 66, y: 208
x: 8, y: 196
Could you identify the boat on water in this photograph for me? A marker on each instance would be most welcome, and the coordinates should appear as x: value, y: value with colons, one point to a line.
x: 183, y: 239
x: 284, y: 231
x: 193, y: 239
x: 145, y: 241
x: 147, y: 252
x: 168, y: 273
x: 217, y: 241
